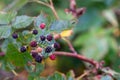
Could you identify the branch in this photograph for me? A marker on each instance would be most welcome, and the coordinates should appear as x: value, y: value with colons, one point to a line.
x: 94, y: 63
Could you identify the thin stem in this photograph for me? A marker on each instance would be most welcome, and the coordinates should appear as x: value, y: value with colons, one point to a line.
x: 15, y: 73
x: 83, y: 75
x: 51, y: 6
x: 94, y: 63
x: 70, y: 46
x: 53, y: 9
x: 40, y: 2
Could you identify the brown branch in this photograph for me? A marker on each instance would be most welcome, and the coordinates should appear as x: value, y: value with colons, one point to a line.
x: 78, y: 56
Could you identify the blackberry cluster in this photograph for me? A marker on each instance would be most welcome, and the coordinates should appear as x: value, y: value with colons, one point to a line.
x: 41, y: 47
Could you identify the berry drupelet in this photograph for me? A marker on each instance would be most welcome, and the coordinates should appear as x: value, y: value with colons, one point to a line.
x: 49, y: 37
x: 42, y: 38
x: 48, y: 49
x: 33, y: 44
x: 15, y: 35
x: 23, y: 49
x: 38, y: 58
x: 35, y: 32
x: 42, y: 25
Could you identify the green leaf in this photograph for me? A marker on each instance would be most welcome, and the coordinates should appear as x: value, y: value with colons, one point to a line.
x: 39, y: 19
x: 61, y: 25
x: 6, y: 18
x: 39, y: 68
x: 70, y: 75
x: 91, y: 18
x: 106, y: 77
x: 16, y: 5
x: 15, y: 57
x: 5, y: 31
x: 56, y: 76
x: 22, y: 22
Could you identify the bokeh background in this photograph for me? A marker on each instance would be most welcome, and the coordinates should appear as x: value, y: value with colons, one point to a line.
x: 96, y: 36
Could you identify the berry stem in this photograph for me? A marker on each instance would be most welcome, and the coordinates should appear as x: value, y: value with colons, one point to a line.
x: 70, y: 45
x: 51, y: 6
x: 94, y: 63
x: 53, y: 9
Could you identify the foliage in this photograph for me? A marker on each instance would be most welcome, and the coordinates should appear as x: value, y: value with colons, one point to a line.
x: 96, y: 36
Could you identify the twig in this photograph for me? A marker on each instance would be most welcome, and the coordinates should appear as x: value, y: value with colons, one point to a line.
x: 40, y: 2
x: 51, y: 6
x: 94, y: 63
x: 53, y: 9
x: 14, y: 73
x: 70, y: 45
x: 83, y: 75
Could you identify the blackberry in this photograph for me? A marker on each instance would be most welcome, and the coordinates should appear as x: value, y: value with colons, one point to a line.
x: 49, y: 37
x: 33, y: 44
x: 48, y: 49
x: 56, y: 45
x: 15, y: 35
x: 23, y: 49
x: 52, y: 57
x: 42, y: 25
x: 38, y: 58
x: 34, y: 54
x: 42, y: 38
x: 35, y: 32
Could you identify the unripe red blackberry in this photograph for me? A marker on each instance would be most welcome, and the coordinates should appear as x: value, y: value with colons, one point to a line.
x: 38, y: 58
x: 33, y: 44
x: 23, y: 49
x: 15, y: 35
x: 42, y: 38
x: 48, y: 49
x: 52, y: 57
x: 42, y: 25
x: 35, y: 32
x: 49, y: 37
x: 56, y: 45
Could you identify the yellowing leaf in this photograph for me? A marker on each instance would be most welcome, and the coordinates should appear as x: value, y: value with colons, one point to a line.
x: 66, y: 33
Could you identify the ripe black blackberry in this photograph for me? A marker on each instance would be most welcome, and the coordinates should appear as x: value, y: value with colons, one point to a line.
x: 42, y: 38
x: 48, y: 49
x: 23, y: 49
x: 15, y: 35
x: 49, y: 37
x: 56, y: 45
x: 33, y: 44
x: 35, y: 32
x: 38, y: 58
x: 34, y: 54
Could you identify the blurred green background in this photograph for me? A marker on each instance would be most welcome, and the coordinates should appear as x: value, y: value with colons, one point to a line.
x: 96, y: 36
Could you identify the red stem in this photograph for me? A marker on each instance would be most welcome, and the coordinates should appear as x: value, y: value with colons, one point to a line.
x: 95, y: 63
